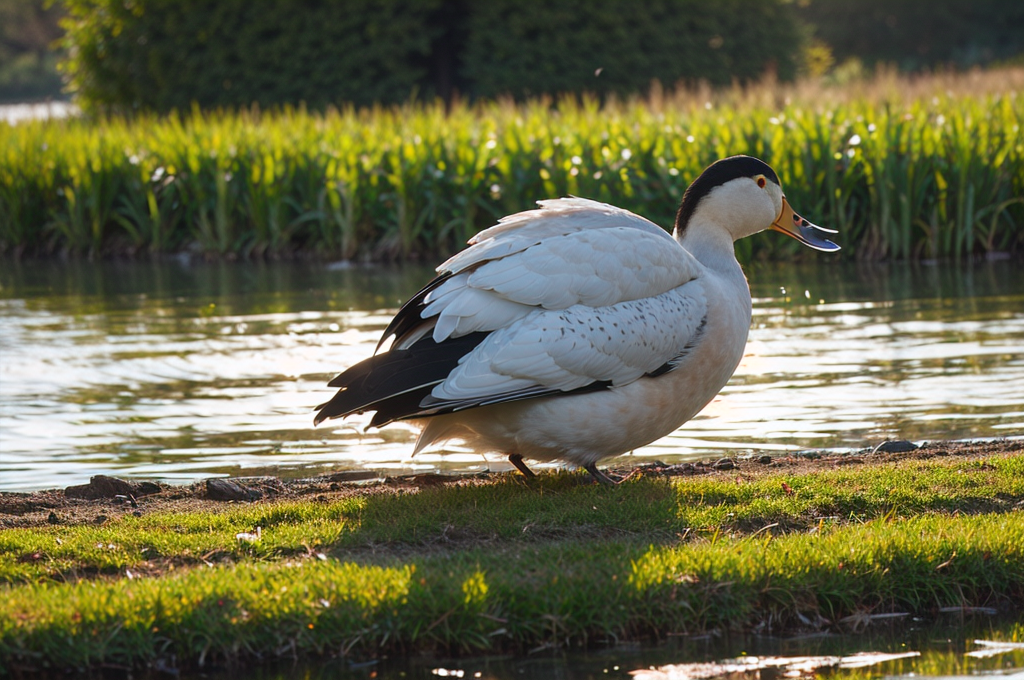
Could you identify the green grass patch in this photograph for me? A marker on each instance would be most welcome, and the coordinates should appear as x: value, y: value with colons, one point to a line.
x: 922, y: 168
x: 509, y: 565
x: 553, y: 508
x: 516, y: 596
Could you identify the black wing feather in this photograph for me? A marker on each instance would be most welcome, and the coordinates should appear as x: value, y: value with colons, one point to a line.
x: 397, y: 384
x: 408, y: 317
x: 387, y: 382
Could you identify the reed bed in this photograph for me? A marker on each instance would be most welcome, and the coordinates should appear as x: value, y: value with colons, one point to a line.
x: 923, y: 168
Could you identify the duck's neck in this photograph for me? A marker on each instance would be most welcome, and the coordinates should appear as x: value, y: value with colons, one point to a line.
x: 713, y: 247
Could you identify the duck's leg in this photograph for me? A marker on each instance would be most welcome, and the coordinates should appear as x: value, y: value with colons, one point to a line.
x: 598, y: 476
x: 517, y: 460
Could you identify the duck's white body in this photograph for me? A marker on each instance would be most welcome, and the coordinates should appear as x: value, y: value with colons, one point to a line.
x: 577, y: 331
x: 585, y: 428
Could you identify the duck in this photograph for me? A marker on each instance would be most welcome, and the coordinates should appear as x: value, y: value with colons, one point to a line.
x: 577, y: 331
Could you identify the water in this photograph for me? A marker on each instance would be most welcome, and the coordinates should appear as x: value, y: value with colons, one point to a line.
x: 945, y: 649
x: 16, y: 113
x: 177, y: 370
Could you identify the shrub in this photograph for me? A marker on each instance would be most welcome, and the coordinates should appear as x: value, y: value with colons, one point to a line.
x: 161, y: 55
x: 611, y: 46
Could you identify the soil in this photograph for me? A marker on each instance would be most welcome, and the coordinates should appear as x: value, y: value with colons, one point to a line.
x: 105, y: 497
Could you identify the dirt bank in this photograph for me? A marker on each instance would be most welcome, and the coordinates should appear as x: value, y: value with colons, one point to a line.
x: 105, y: 497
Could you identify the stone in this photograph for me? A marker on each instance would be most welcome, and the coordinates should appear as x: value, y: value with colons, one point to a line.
x: 895, y: 446
x: 100, y: 486
x: 353, y: 476
x: 218, y: 489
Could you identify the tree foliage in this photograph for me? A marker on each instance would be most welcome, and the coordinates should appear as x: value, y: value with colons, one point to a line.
x: 159, y: 55
x: 162, y: 55
x: 28, y: 29
x: 916, y: 34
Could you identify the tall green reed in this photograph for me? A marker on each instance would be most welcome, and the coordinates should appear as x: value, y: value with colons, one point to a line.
x: 933, y: 172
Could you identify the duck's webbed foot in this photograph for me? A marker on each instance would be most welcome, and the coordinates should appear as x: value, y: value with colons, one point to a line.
x: 599, y: 477
x: 517, y: 460
x: 604, y: 478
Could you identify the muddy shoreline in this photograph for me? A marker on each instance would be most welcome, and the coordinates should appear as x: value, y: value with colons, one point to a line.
x: 105, y: 498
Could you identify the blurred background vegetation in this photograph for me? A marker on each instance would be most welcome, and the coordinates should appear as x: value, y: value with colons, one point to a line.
x: 395, y: 129
x: 29, y: 30
x: 155, y: 55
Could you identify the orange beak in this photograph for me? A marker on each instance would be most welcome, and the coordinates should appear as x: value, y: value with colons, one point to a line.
x: 791, y: 224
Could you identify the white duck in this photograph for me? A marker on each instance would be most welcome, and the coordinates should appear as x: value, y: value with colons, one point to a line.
x: 577, y: 331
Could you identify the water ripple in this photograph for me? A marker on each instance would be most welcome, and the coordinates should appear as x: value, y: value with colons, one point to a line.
x: 177, y: 372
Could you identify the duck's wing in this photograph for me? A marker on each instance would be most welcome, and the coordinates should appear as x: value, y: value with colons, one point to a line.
x: 576, y: 295
x: 570, y: 251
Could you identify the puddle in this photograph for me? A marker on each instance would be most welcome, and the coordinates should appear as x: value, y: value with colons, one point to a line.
x: 946, y: 650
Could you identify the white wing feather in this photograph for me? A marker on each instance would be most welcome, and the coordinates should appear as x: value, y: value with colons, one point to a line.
x: 568, y: 349
x: 555, y: 217
x: 569, y: 252
x: 573, y: 293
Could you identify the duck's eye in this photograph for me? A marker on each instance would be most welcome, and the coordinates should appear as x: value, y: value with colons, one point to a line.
x: 761, y: 182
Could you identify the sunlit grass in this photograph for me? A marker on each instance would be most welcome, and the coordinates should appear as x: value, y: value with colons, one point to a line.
x: 903, y: 168
x: 555, y: 507
x: 511, y: 565
x: 517, y: 596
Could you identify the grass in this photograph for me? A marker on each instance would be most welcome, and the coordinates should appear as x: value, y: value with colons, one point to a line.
x: 517, y: 597
x: 903, y: 168
x: 507, y: 565
x: 557, y: 508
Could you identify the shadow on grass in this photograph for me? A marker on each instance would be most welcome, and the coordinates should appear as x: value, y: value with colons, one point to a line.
x: 387, y: 526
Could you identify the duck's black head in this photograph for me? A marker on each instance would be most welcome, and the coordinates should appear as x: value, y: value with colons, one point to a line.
x: 717, y: 174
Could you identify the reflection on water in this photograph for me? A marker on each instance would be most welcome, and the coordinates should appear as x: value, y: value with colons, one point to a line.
x: 177, y: 371
x: 945, y: 651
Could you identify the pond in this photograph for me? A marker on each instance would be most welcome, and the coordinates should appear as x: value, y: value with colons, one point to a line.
x: 949, y: 648
x: 177, y: 370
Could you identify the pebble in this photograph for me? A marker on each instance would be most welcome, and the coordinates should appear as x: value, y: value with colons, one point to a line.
x: 895, y: 446
x: 226, y: 490
x: 102, y: 486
